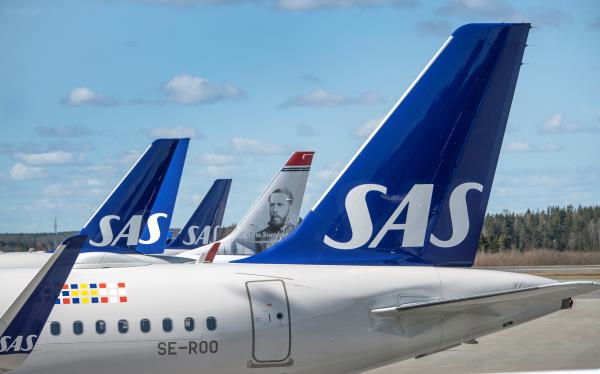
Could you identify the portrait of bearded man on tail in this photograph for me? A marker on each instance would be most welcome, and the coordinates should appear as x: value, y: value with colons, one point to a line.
x: 280, y: 202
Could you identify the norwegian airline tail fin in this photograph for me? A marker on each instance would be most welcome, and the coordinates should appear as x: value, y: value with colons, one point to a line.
x: 137, y: 214
x: 202, y: 227
x: 276, y: 212
x: 417, y: 190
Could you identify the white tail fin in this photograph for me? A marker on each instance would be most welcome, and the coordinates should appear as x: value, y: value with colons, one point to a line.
x: 276, y: 212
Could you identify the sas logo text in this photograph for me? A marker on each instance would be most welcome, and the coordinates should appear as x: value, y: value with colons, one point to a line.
x: 417, y: 204
x: 18, y: 344
x: 131, y: 231
x: 195, y: 235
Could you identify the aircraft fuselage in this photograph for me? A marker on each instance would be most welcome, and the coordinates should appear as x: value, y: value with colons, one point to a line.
x: 252, y: 318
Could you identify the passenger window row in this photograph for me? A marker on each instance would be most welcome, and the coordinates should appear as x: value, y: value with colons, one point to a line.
x: 123, y: 326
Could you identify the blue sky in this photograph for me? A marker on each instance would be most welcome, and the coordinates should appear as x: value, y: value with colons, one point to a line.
x: 86, y: 85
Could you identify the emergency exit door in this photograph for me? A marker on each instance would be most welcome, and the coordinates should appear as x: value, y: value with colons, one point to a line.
x: 271, y: 324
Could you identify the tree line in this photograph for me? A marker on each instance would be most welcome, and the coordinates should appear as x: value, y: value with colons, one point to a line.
x: 556, y: 228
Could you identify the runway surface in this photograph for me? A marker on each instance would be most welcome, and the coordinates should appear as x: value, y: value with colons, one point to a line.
x: 568, y: 339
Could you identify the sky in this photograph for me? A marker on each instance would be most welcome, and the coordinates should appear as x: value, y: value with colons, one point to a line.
x: 86, y: 85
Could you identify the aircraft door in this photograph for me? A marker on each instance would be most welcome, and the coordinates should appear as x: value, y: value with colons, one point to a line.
x: 271, y: 324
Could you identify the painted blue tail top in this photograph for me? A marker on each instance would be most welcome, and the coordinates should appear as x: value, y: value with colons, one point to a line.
x: 417, y: 190
x: 201, y: 228
x: 137, y: 214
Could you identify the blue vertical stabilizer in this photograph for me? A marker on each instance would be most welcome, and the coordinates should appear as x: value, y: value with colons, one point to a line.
x: 417, y: 190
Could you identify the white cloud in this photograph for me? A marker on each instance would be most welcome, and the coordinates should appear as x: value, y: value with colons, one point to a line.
x: 197, y: 198
x: 328, y: 174
x: 517, y: 147
x: 502, y: 10
x: 46, y: 158
x: 294, y: 5
x: 57, y: 190
x: 101, y: 169
x: 519, y: 189
x: 323, y: 98
x: 365, y: 130
x: 219, y: 171
x: 125, y: 158
x: 299, y: 5
x: 549, y: 17
x: 71, y: 131
x: 495, y: 9
x: 80, y: 96
x: 213, y: 159
x: 23, y: 172
x: 189, y: 90
x: 171, y: 132
x: 549, y: 147
x: 556, y: 124
x: 256, y: 147
x: 43, y: 204
x: 82, y: 187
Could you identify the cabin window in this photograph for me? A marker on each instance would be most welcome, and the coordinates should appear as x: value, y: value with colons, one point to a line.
x: 167, y: 324
x: 100, y: 327
x: 145, y: 325
x: 189, y: 324
x: 55, y: 328
x: 123, y: 326
x: 77, y: 327
x: 211, y: 323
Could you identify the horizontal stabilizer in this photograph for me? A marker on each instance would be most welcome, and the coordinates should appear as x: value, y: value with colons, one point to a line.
x: 548, y: 292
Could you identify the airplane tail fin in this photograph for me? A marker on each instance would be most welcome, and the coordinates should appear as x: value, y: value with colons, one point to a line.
x: 137, y: 214
x: 275, y: 213
x: 417, y: 190
x: 202, y: 227
x: 22, y: 323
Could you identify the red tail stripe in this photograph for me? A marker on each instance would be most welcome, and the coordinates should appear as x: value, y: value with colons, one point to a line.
x: 301, y: 158
x: 212, y: 252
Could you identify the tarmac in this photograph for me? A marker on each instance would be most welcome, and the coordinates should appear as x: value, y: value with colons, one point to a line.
x: 564, y: 340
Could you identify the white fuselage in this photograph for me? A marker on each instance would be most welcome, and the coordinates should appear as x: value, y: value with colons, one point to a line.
x: 267, y: 318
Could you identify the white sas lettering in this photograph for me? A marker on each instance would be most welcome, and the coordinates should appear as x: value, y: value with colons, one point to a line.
x: 193, y: 240
x: 358, y: 215
x: 105, y: 231
x: 17, y: 344
x: 131, y: 230
x: 153, y: 228
x: 417, y: 204
x: 418, y: 200
x: 459, y: 216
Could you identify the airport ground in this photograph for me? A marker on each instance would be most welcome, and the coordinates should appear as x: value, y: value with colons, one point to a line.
x: 568, y: 339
